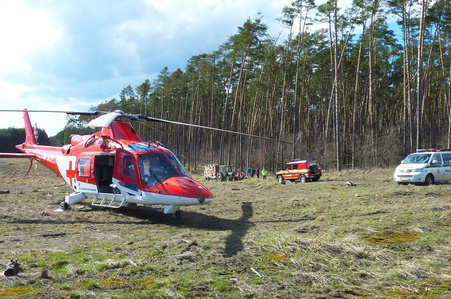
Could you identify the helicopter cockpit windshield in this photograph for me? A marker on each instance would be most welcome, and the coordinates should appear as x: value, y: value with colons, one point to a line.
x: 155, y: 168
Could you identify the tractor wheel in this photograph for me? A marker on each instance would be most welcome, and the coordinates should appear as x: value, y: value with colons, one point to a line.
x: 219, y: 176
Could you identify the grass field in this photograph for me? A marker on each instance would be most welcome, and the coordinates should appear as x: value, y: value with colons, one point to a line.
x: 258, y: 239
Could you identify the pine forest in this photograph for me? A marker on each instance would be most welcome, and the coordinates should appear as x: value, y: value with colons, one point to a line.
x: 356, y: 88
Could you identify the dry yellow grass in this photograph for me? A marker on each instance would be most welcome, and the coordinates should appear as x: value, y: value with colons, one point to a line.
x: 258, y: 239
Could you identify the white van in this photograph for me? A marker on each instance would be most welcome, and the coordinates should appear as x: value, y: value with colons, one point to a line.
x: 424, y: 167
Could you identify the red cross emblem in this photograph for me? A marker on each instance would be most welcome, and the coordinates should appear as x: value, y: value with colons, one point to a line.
x: 70, y: 174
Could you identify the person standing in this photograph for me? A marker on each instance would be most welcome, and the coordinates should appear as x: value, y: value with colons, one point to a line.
x: 264, y: 173
x: 258, y: 172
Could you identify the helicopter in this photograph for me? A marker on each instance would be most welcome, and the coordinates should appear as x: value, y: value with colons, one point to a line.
x: 114, y: 167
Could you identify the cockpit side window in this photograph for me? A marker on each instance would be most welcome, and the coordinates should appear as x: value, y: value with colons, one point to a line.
x: 127, y: 167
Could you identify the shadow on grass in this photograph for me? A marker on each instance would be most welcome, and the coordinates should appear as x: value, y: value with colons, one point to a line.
x: 148, y: 216
x: 238, y: 227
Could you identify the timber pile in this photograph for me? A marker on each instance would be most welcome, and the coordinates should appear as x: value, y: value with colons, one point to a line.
x: 210, y: 171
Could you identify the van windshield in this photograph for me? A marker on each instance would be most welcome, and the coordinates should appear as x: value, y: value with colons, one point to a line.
x: 417, y: 159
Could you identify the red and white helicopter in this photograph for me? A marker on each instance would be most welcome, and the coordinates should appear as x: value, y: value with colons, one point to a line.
x: 115, y: 168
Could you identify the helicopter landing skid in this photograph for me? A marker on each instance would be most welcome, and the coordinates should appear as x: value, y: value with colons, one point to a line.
x: 69, y: 200
x: 176, y: 217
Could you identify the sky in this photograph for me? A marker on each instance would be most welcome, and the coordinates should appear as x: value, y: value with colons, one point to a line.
x: 69, y: 55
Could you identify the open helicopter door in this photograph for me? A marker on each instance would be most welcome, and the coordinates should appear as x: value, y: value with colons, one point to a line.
x: 126, y: 171
x: 104, y: 168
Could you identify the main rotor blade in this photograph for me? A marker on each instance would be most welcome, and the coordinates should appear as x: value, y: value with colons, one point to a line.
x: 105, y: 120
x: 149, y: 118
x: 154, y: 127
x: 54, y: 111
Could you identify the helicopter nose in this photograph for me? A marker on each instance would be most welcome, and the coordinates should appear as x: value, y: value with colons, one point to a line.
x: 187, y: 187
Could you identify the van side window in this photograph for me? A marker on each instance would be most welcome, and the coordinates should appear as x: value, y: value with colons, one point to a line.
x: 446, y: 158
x: 437, y: 158
x: 295, y: 166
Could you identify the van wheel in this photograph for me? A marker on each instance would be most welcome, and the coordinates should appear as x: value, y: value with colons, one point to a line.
x: 280, y: 179
x: 429, y: 180
x: 302, y: 179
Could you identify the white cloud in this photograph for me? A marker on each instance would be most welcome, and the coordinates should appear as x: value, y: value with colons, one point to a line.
x: 70, y: 55
x: 23, y: 30
x: 11, y: 91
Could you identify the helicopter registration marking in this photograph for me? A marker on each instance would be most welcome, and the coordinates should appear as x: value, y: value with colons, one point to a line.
x: 82, y: 187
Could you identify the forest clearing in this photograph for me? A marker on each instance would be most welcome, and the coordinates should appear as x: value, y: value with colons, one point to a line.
x: 258, y: 239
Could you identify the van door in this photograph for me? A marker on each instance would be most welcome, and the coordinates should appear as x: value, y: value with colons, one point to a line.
x: 436, y: 167
x: 446, y: 166
x: 293, y: 172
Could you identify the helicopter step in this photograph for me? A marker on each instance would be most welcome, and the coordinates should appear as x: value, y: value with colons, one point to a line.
x: 107, y: 202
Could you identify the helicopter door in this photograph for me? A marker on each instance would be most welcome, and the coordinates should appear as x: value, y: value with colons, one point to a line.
x: 126, y: 170
x: 104, y: 167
